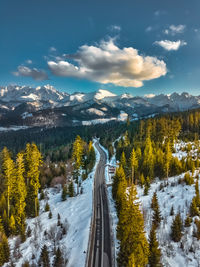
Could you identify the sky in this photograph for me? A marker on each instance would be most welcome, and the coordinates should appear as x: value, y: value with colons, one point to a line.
x: 125, y: 46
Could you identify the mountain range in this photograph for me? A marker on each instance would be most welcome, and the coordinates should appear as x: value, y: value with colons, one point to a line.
x: 45, y: 106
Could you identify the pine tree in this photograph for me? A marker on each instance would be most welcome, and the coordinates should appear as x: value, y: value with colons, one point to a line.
x: 4, y: 249
x: 71, y: 189
x: 12, y: 225
x: 172, y: 211
x: 134, y: 165
x: 197, y: 197
x: 33, y: 161
x: 77, y: 155
x: 156, y: 213
x: 20, y: 195
x: 58, y: 261
x: 47, y: 207
x: 168, y: 157
x: 64, y: 193
x: 130, y: 232
x: 194, y: 211
x: 188, y: 221
x: 148, y: 158
x: 123, y: 160
x: 154, y: 251
x: 8, y: 167
x: 176, y: 228
x: 121, y: 189
x: 44, y: 257
x: 50, y: 214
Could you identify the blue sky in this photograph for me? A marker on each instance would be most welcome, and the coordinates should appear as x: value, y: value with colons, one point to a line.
x: 138, y: 47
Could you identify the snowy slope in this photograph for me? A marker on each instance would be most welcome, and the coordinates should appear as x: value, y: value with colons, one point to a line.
x: 75, y: 215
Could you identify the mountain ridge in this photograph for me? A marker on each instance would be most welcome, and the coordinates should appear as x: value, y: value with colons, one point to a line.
x: 46, y: 106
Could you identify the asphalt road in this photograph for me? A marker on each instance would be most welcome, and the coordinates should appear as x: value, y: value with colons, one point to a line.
x: 100, y: 252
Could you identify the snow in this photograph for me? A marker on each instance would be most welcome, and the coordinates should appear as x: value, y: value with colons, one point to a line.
x: 98, y: 121
x: 95, y: 111
x: 122, y: 116
x: 26, y: 115
x: 75, y: 212
x: 179, y: 196
x: 13, y: 128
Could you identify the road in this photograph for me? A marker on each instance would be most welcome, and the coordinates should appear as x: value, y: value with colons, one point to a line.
x: 100, y: 248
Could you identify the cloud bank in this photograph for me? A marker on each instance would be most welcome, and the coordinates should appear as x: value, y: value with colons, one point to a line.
x: 170, y: 45
x: 38, y: 75
x: 107, y: 63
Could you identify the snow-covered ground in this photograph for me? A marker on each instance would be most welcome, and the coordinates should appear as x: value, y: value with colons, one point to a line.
x: 171, y: 193
x: 183, y: 149
x: 75, y: 216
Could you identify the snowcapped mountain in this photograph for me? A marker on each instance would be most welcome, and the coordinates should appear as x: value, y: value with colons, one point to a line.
x: 46, y: 106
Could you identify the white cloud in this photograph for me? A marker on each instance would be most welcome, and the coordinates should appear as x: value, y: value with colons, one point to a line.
x: 114, y: 28
x: 175, y: 29
x: 149, y: 29
x: 171, y: 45
x: 52, y: 49
x: 29, y: 61
x: 107, y: 63
x: 38, y: 75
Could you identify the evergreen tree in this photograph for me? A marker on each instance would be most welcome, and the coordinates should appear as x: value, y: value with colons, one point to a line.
x: 33, y: 160
x: 134, y: 165
x: 12, y: 226
x: 156, y: 213
x: 148, y: 158
x: 50, y: 214
x: 71, y: 189
x: 168, y: 157
x: 64, y: 193
x: 44, y: 257
x: 77, y: 155
x: 58, y: 261
x: 123, y: 160
x: 154, y: 251
x: 130, y: 232
x: 8, y: 167
x: 4, y: 249
x: 194, y: 211
x: 188, y: 221
x: 176, y: 228
x: 20, y: 195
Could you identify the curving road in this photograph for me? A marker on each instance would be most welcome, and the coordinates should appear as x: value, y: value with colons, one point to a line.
x: 100, y: 248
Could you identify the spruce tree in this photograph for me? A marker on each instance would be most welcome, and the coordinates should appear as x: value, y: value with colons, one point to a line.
x: 130, y: 232
x: 44, y: 257
x: 176, y: 228
x: 168, y: 157
x: 33, y: 160
x: 194, y: 211
x: 123, y: 160
x: 71, y: 189
x: 9, y: 172
x: 58, y: 261
x: 154, y: 251
x: 20, y: 195
x: 4, y: 249
x: 134, y: 165
x: 64, y: 193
